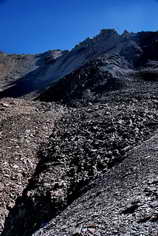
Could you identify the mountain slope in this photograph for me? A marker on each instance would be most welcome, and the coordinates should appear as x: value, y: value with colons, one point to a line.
x: 22, y: 75
x: 24, y: 127
x: 86, y: 142
x: 130, y: 65
x: 99, y: 79
x: 76, y: 145
x: 32, y: 74
x: 121, y: 202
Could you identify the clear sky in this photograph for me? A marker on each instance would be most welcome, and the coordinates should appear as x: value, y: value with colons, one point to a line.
x: 31, y: 26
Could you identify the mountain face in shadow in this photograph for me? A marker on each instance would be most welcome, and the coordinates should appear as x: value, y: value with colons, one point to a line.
x: 121, y: 62
x: 21, y: 75
x: 30, y: 75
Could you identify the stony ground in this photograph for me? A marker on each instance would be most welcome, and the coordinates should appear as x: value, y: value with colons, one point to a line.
x: 81, y: 154
x: 85, y: 143
x: 123, y: 202
x: 24, y: 126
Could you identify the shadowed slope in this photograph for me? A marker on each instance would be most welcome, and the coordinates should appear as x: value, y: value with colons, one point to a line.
x: 121, y: 202
x: 30, y: 75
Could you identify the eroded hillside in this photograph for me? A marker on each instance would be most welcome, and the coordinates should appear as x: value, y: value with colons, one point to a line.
x: 81, y: 159
x: 85, y: 143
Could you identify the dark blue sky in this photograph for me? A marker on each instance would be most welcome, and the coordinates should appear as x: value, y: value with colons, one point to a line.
x: 30, y: 26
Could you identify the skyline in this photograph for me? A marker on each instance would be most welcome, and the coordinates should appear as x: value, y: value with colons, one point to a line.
x: 37, y: 26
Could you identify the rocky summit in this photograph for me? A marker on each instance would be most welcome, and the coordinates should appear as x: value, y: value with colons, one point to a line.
x: 79, y: 139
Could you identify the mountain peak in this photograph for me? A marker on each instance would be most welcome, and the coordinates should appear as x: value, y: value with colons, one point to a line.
x: 126, y: 34
x: 108, y: 31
